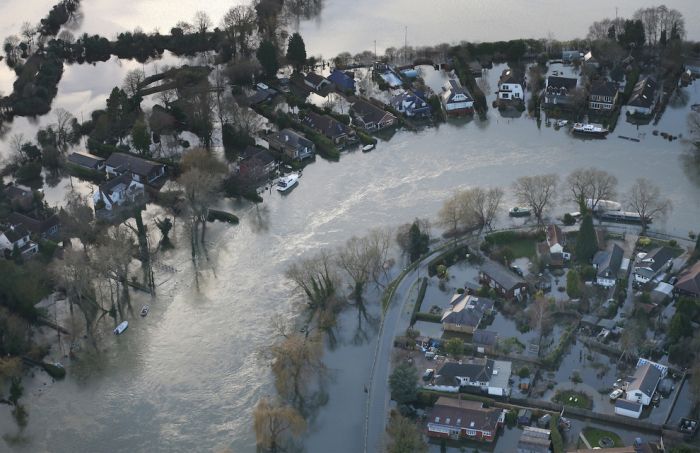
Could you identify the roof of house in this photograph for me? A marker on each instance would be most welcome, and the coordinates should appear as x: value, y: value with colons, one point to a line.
x: 291, y: 138
x: 609, y: 262
x: 464, y: 414
x: 603, y: 88
x: 315, y: 79
x: 15, y: 232
x: 261, y: 96
x: 562, y: 82
x: 106, y: 189
x: 342, y: 79
x: 85, y: 159
x: 453, y: 88
x: 629, y: 405
x: 368, y: 112
x: 535, y: 440
x: 476, y: 370
x: 643, y: 93
x: 15, y: 191
x: 654, y: 261
x: 35, y: 226
x: 326, y: 125
x: 485, y: 337
x: 263, y: 156
x: 408, y: 99
x: 689, y: 281
x: 511, y: 77
x: 554, y: 235
x: 467, y: 310
x: 645, y: 379
x: 501, y: 275
x: 126, y: 162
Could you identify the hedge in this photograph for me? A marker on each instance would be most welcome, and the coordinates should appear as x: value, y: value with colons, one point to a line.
x: 428, y: 317
x: 419, y: 300
x: 553, y: 358
x: 448, y: 258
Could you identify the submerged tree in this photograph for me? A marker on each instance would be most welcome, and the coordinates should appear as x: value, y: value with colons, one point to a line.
x: 589, y: 186
x: 537, y: 192
x: 645, y: 199
x: 276, y: 425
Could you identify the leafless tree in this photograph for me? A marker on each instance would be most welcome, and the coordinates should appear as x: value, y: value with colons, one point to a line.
x: 537, y: 192
x: 64, y: 133
x: 540, y: 315
x: 486, y: 205
x: 66, y: 36
x: 239, y: 25
x: 450, y: 214
x: 113, y: 257
x: 591, y: 184
x: 276, y: 425
x: 78, y: 219
x: 645, y: 199
x: 201, y: 22
x: 133, y: 81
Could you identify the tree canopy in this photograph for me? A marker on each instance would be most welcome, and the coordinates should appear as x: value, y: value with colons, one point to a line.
x: 296, y: 51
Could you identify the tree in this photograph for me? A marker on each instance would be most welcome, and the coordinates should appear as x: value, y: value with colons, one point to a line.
x: 201, y: 22
x: 140, y: 138
x: 403, y: 383
x: 573, y: 284
x: 591, y: 184
x: 414, y: 238
x: 133, y: 82
x: 586, y: 241
x: 537, y: 192
x: 680, y: 327
x: 645, y: 199
x: 276, y: 425
x: 404, y: 436
x: 632, y: 34
x: 267, y: 56
x: 296, y: 51
x: 78, y: 219
x: 454, y: 347
x: 540, y: 316
x: 164, y: 225
x: 239, y: 24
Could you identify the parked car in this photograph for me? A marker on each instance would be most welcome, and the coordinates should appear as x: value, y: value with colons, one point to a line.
x: 428, y: 375
x: 615, y: 394
x: 517, y: 270
x: 656, y: 398
x: 619, y: 383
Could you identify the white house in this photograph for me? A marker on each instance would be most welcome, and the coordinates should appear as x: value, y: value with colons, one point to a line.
x: 510, y: 88
x: 643, y: 385
x: 490, y: 376
x: 651, y: 264
x: 628, y: 408
x: 17, y: 235
x: 456, y: 100
x: 117, y: 191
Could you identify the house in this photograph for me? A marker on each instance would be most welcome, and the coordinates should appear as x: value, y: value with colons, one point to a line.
x: 86, y: 160
x: 262, y: 94
x: 144, y: 171
x: 590, y: 61
x: 602, y: 96
x: 465, y: 313
x: 256, y: 163
x: 628, y: 408
x: 688, y: 283
x: 292, y: 144
x: 456, y: 99
x: 41, y: 228
x: 328, y: 126
x: 570, y: 56
x: 651, y: 264
x: 643, y: 98
x: 558, y: 90
x: 411, y: 104
x: 20, y: 197
x: 452, y: 418
x: 506, y: 283
x: 370, y: 117
x: 607, y: 265
x: 482, y: 375
x: 643, y: 384
x: 316, y: 81
x: 535, y: 440
x: 510, y: 87
x: 555, y: 239
x: 476, y: 69
x: 118, y: 191
x: 17, y: 236
x: 343, y: 80
x: 692, y: 65
x: 484, y: 340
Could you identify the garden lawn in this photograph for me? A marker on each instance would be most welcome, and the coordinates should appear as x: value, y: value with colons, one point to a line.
x: 593, y: 435
x: 522, y: 248
x: 574, y: 399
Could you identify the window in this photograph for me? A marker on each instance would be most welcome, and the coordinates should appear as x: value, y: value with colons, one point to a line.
x: 471, y: 432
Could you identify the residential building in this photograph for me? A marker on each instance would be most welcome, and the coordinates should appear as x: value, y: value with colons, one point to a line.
x: 555, y: 239
x: 262, y: 94
x: 41, y: 228
x: 511, y: 86
x: 505, y: 282
x: 343, y: 80
x: 643, y: 98
x: 607, y: 264
x: 643, y: 384
x: 370, y: 117
x: 692, y: 65
x: 602, y: 96
x: 569, y: 56
x: 411, y: 104
x: 17, y: 236
x: 465, y: 313
x: 256, y: 163
x: 628, y: 408
x: 292, y: 144
x: 144, y: 171
x: 688, y: 283
x: 590, y: 61
x: 558, y: 90
x: 535, y: 440
x: 118, y: 191
x: 20, y: 197
x: 86, y: 160
x: 485, y: 341
x: 329, y: 127
x: 652, y: 264
x: 316, y: 81
x: 456, y: 99
x: 481, y: 374
x: 463, y: 419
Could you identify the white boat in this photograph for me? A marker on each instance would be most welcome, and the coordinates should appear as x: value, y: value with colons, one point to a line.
x: 519, y: 211
x: 368, y: 148
x: 595, y: 130
x: 145, y: 309
x: 604, y: 205
x: 285, y: 183
x: 562, y: 123
x: 121, y: 328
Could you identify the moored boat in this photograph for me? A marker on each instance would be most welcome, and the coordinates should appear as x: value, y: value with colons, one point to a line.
x: 594, y: 130
x: 622, y: 217
x: 145, y: 309
x: 121, y: 328
x: 519, y: 211
x: 603, y: 205
x: 368, y: 148
x: 286, y: 183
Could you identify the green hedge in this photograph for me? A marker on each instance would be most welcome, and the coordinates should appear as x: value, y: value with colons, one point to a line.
x: 419, y: 300
x: 428, y: 317
x: 557, y: 441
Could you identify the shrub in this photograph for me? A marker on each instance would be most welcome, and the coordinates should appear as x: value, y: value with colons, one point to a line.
x: 569, y: 219
x: 672, y: 243
x: 419, y: 300
x: 524, y: 372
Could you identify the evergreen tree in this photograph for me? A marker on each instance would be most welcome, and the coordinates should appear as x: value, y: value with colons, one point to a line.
x: 140, y: 138
x: 586, y: 243
x: 403, y: 383
x: 296, y: 51
x: 267, y: 56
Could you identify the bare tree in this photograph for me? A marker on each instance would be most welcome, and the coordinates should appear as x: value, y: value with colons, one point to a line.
x: 450, y: 214
x: 276, y: 425
x: 113, y: 257
x: 589, y: 186
x: 537, y: 192
x: 239, y: 25
x: 540, y: 315
x: 645, y: 199
x: 486, y: 205
x: 64, y: 133
x: 133, y: 81
x: 78, y: 219
x: 201, y: 22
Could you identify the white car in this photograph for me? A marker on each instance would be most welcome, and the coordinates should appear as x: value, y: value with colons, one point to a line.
x: 615, y: 394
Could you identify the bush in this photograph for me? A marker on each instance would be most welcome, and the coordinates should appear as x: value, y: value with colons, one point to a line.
x: 419, y: 300
x: 524, y: 372
x: 569, y: 219
x: 672, y: 243
x: 428, y: 317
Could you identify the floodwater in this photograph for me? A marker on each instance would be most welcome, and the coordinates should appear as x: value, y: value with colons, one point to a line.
x: 187, y: 377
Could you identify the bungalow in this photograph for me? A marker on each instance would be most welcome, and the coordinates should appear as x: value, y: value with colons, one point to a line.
x: 643, y: 97
x: 411, y: 104
x: 643, y: 384
x: 316, y: 81
x: 510, y: 87
x: 328, y: 126
x: 465, y: 313
x: 117, y: 191
x: 558, y: 90
x: 144, y: 171
x: 504, y: 281
x: 570, y: 56
x: 370, y: 117
x: 41, y: 228
x: 343, y: 80
x: 86, y: 160
x: 463, y: 419
x: 607, y: 265
x: 628, y: 408
x: 292, y: 144
x: 603, y: 96
x: 256, y: 163
x: 262, y: 94
x: 17, y: 236
x: 651, y: 264
x: 456, y: 99
x: 535, y: 440
x: 484, y: 375
x: 484, y: 340
x: 688, y: 283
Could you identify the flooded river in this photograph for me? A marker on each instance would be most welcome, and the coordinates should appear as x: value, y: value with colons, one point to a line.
x: 187, y: 377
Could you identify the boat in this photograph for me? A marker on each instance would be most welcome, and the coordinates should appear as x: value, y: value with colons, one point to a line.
x: 603, y: 205
x: 623, y: 217
x: 562, y: 123
x: 286, y: 183
x: 145, y: 309
x: 121, y: 328
x: 368, y: 148
x: 594, y: 130
x: 519, y: 211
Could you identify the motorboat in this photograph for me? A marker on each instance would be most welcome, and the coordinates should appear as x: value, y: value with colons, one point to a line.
x: 594, y: 130
x: 145, y: 309
x: 285, y: 183
x: 562, y: 123
x: 603, y: 205
x: 121, y: 328
x: 519, y: 211
x: 368, y: 148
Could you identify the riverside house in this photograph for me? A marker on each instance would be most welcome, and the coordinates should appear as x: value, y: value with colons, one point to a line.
x: 316, y: 81
x: 123, y: 189
x: 465, y: 313
x: 481, y: 375
x: 688, y: 283
x: 643, y: 98
x: 329, y: 127
x: 607, y: 265
x: 457, y: 419
x: 558, y: 90
x: 652, y: 264
x: 292, y: 144
x: 17, y: 236
x: 87, y: 161
x: 456, y: 99
x: 510, y: 87
x: 411, y: 104
x: 506, y: 283
x: 44, y: 228
x: 602, y: 96
x: 370, y: 117
x: 144, y: 171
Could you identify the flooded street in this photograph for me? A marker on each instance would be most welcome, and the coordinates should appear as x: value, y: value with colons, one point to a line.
x: 187, y: 377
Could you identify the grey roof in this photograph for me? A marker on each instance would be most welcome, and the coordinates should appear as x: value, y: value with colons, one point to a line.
x: 15, y: 233
x: 645, y: 378
x: 534, y: 440
x: 485, y: 337
x: 36, y: 226
x: 501, y: 275
x: 611, y: 261
x: 606, y: 324
x: 689, y: 281
x: 292, y: 139
x: 368, y: 112
x: 260, y: 154
x: 326, y: 125
x: 13, y: 192
x: 480, y: 370
x: 85, y: 160
x: 589, y: 319
x: 126, y: 162
x: 511, y: 76
x: 454, y: 88
x: 644, y: 93
x: 629, y: 405
x: 561, y: 82
x: 315, y: 79
x: 603, y: 88
x: 654, y: 261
